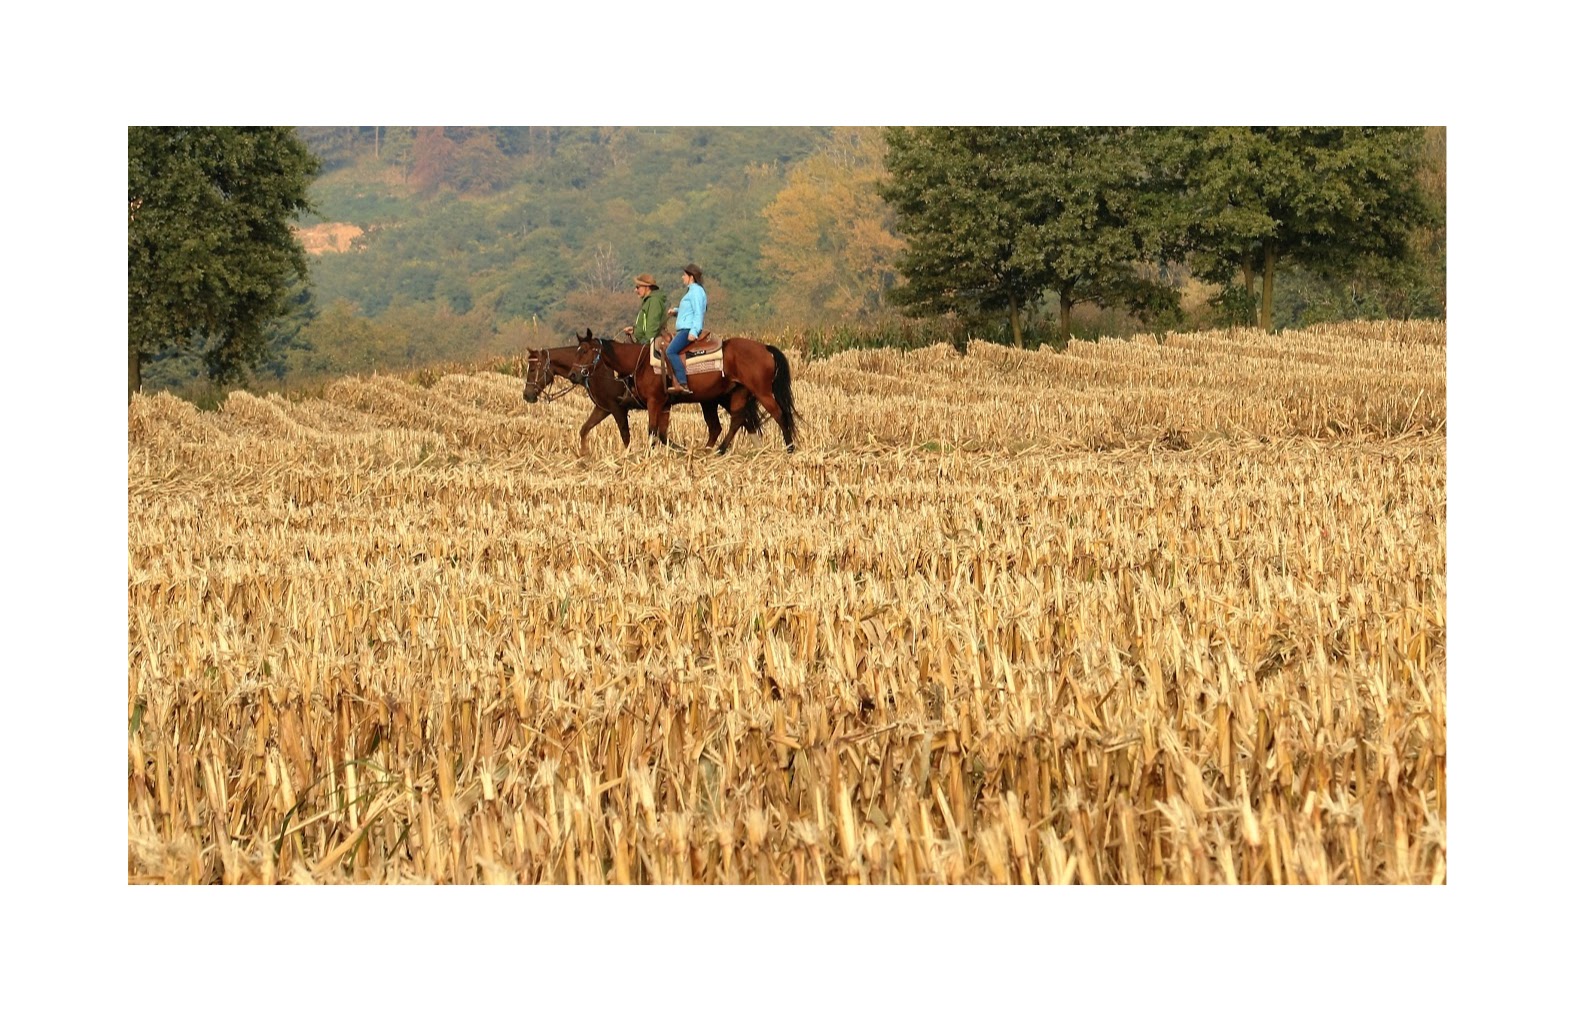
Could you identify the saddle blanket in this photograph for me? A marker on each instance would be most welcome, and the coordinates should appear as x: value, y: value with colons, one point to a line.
x: 701, y: 356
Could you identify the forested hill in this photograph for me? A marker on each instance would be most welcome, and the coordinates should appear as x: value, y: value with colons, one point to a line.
x: 432, y: 245
x: 516, y: 221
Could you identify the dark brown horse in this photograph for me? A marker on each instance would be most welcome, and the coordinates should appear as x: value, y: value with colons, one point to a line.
x: 610, y: 396
x: 750, y: 371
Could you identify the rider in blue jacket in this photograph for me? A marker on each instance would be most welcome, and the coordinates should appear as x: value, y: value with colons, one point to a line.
x: 691, y: 321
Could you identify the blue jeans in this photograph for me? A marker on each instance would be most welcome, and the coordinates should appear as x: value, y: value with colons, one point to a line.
x: 675, y: 356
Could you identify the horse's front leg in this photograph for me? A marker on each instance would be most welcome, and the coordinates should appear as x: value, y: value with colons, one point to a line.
x: 621, y: 416
x: 656, y: 417
x: 597, y: 415
x: 712, y: 409
x: 665, y: 422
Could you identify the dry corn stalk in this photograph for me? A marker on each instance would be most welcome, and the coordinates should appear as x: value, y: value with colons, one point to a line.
x: 1136, y: 611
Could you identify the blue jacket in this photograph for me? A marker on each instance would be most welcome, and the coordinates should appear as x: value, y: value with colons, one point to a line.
x: 691, y: 311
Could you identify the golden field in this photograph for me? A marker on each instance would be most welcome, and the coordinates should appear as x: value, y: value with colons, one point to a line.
x: 1139, y: 611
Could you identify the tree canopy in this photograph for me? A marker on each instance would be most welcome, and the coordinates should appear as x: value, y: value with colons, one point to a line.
x: 211, y: 254
x: 1329, y: 199
x: 830, y: 238
x: 996, y: 216
x: 964, y: 202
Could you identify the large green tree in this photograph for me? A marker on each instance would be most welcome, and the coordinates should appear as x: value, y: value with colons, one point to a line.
x: 1326, y: 198
x: 996, y: 216
x: 211, y: 254
x: 1104, y: 216
x: 963, y: 205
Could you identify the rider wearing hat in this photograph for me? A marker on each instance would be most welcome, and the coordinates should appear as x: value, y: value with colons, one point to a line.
x: 652, y: 310
x: 691, y: 321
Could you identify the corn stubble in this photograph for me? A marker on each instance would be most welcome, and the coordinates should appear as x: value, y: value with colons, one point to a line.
x: 1156, y: 612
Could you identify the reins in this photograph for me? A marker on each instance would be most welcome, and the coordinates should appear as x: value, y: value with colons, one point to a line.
x: 549, y: 397
x: 577, y: 376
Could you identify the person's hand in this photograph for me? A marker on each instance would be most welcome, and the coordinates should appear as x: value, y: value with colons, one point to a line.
x: 672, y: 312
x: 628, y: 331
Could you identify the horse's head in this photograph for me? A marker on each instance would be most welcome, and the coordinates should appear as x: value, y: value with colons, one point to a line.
x: 539, y: 372
x: 543, y: 365
x: 587, y: 355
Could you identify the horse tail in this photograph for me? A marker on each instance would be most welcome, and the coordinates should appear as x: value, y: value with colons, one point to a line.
x: 781, y: 389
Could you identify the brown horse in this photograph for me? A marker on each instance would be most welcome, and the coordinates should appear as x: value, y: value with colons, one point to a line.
x: 610, y: 396
x: 750, y: 371
x: 615, y: 395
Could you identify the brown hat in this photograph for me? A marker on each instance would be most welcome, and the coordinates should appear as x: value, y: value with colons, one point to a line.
x: 646, y: 281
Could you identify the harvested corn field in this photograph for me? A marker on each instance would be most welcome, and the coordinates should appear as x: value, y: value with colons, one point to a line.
x: 1160, y: 612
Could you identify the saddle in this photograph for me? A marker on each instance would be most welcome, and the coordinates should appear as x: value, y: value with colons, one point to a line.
x: 702, y: 354
x: 705, y: 343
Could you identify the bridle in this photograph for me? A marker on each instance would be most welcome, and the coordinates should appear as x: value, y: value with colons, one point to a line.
x: 587, y: 370
x: 541, y: 373
x: 580, y: 373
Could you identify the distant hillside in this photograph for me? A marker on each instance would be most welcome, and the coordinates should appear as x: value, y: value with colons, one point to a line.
x: 433, y: 245
x: 333, y: 236
x: 543, y: 223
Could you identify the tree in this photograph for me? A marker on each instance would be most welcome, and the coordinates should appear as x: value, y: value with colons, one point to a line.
x: 601, y: 299
x: 963, y: 208
x: 210, y: 250
x: 479, y: 166
x: 432, y: 158
x: 285, y: 333
x: 830, y: 237
x: 995, y: 216
x: 1103, y: 217
x: 1326, y: 198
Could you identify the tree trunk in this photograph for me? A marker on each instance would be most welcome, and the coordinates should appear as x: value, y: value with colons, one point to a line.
x: 133, y: 373
x: 1016, y: 322
x: 1065, y: 316
x: 1249, y: 278
x: 1265, y: 321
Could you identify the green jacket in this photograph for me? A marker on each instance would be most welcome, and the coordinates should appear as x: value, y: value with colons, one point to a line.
x: 652, y: 316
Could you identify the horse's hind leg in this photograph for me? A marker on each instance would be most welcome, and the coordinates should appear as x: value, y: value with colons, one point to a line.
x: 735, y: 405
x: 774, y: 409
x: 712, y: 421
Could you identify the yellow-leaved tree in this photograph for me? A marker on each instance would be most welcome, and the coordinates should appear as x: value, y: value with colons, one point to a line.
x: 830, y: 237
